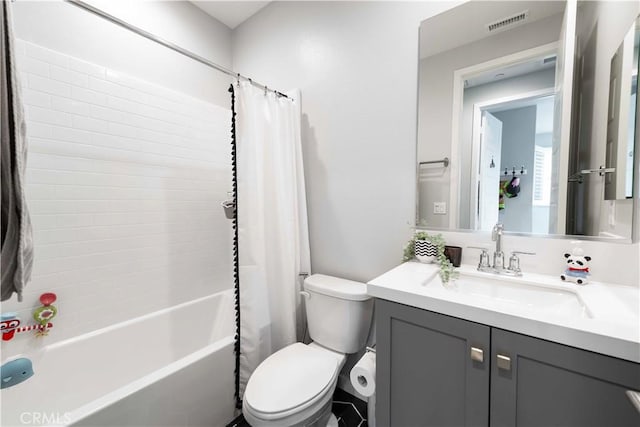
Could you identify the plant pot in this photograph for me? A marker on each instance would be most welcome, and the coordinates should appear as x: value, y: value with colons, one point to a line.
x: 425, y: 251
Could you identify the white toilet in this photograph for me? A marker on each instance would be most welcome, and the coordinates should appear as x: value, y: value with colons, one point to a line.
x: 294, y: 386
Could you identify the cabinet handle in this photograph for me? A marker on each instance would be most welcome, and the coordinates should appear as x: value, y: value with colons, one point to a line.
x: 477, y: 354
x: 504, y: 362
x: 634, y: 397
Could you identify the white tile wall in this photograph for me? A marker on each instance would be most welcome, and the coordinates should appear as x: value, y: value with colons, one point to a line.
x: 124, y: 184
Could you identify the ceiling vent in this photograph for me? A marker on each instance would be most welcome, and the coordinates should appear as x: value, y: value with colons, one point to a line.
x: 508, y: 22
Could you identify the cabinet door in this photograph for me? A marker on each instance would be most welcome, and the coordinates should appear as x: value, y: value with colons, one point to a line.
x: 425, y: 373
x: 541, y: 383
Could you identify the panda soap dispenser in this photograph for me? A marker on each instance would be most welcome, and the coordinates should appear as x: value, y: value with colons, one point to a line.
x: 577, y: 267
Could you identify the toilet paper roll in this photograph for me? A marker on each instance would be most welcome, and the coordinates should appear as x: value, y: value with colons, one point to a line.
x: 363, y: 374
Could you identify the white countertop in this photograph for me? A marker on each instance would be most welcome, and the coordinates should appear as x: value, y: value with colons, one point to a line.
x: 612, y: 326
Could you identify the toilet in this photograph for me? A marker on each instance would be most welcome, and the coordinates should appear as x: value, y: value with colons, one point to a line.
x: 295, y: 385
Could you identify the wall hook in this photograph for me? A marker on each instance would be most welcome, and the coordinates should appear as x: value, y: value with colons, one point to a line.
x: 492, y: 164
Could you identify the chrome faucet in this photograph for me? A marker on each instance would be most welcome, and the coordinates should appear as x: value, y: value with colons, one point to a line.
x: 498, y: 266
x: 498, y: 255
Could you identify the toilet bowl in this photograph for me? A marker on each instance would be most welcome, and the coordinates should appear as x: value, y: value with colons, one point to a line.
x: 295, y: 385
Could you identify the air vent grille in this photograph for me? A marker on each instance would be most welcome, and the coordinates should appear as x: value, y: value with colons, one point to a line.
x: 508, y: 22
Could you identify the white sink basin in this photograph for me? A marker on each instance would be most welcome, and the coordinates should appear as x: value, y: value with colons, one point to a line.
x: 600, y: 317
x: 517, y: 293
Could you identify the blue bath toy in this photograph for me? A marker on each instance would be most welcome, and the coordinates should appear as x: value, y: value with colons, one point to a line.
x: 15, y: 372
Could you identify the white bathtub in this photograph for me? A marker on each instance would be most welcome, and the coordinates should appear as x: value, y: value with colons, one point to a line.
x: 174, y: 367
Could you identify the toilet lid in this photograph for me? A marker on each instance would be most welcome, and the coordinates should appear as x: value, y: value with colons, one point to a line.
x: 290, y: 378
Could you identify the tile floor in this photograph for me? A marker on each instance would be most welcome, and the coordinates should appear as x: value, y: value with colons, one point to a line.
x: 350, y: 411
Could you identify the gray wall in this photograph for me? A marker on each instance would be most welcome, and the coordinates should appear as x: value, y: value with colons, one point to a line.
x: 436, y: 83
x: 518, y: 148
x: 356, y: 64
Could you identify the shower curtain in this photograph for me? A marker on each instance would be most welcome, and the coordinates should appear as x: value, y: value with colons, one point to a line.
x: 272, y: 223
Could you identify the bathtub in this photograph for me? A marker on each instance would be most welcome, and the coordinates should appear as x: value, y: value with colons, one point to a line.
x: 174, y: 367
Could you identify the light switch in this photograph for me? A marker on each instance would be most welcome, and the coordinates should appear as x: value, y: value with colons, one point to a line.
x: 439, y: 208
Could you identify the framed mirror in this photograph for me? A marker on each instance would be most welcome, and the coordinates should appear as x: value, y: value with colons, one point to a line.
x: 502, y: 118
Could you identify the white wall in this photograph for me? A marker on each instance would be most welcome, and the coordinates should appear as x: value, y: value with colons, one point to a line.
x: 129, y: 159
x: 615, y: 263
x: 436, y: 96
x: 73, y: 31
x: 124, y: 183
x: 356, y: 64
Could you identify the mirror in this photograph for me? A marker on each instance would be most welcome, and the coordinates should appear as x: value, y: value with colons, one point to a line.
x: 623, y: 90
x: 601, y: 181
x: 503, y: 128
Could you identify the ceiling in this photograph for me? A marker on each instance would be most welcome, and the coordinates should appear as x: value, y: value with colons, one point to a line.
x: 511, y: 71
x: 544, y: 110
x: 466, y: 23
x: 231, y: 13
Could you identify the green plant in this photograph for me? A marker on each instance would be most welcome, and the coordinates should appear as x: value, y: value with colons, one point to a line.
x: 447, y: 270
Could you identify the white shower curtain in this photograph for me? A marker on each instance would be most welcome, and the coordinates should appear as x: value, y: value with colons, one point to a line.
x: 272, y: 218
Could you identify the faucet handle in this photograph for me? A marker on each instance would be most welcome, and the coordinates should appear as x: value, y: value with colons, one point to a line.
x: 514, y: 261
x: 484, y: 257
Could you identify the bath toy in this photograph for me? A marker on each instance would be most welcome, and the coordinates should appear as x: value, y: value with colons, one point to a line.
x: 15, y: 372
x: 577, y: 267
x: 44, y: 314
x: 9, y: 322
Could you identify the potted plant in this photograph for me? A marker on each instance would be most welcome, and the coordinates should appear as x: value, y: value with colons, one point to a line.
x: 429, y: 248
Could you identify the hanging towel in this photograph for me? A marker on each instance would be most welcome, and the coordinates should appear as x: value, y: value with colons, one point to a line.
x: 16, y: 254
x: 510, y: 188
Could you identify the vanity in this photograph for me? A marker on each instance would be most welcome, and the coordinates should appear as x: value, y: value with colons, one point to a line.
x: 504, y: 351
x: 527, y: 127
x: 527, y: 119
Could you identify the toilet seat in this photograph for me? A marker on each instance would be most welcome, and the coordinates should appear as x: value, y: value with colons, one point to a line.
x: 290, y: 381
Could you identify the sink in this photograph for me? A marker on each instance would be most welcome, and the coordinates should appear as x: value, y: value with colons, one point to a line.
x: 599, y: 317
x: 515, y: 293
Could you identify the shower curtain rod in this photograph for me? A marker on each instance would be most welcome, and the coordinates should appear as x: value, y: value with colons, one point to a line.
x: 81, y: 4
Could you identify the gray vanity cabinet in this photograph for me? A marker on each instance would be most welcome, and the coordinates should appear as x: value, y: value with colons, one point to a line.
x: 540, y: 383
x: 426, y: 376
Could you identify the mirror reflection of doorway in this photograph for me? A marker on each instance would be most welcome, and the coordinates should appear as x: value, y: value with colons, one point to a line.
x: 514, y: 161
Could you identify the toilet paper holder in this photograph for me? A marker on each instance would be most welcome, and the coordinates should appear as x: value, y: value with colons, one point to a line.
x: 371, y: 349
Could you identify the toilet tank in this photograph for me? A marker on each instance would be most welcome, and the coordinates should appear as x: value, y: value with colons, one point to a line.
x: 338, y: 312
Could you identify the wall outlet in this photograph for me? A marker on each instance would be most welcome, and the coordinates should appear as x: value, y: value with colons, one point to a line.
x: 439, y: 208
